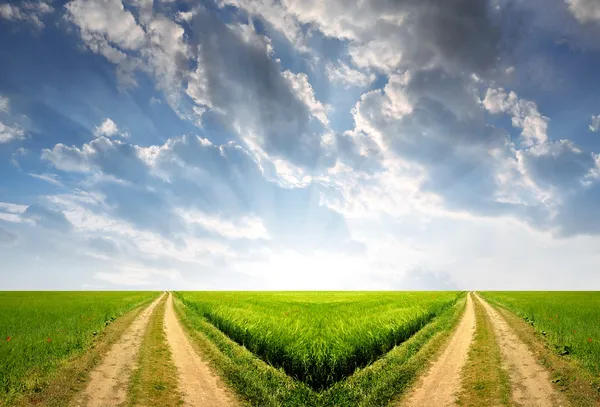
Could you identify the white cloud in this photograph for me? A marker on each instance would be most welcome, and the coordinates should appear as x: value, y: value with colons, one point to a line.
x: 4, y: 104
x: 108, y: 128
x: 247, y: 227
x: 30, y: 11
x: 301, y: 86
x: 343, y: 74
x: 50, y: 178
x: 595, y: 126
x: 11, y: 212
x: 12, y: 208
x: 9, y: 133
x: 106, y: 19
x: 525, y: 114
x: 585, y: 11
x: 274, y: 13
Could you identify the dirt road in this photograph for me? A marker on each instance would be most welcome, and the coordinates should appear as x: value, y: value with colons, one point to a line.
x: 530, y: 382
x: 200, y: 387
x: 109, y: 380
x: 441, y: 383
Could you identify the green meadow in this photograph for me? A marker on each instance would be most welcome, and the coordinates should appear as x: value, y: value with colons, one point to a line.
x: 318, y: 348
x: 569, y: 321
x: 39, y: 330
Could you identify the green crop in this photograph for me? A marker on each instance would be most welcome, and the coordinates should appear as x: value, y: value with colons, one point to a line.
x: 319, y: 338
x: 40, y: 329
x: 570, y: 321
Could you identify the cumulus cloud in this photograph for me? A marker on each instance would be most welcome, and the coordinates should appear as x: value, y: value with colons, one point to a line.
x: 559, y: 164
x: 154, y: 44
x: 525, y: 114
x: 216, y: 189
x: 239, y: 80
x: 102, y: 21
x: 108, y: 128
x: 301, y: 86
x: 404, y: 34
x: 9, y: 133
x: 30, y: 11
x: 4, y: 104
x: 113, y: 158
x: 595, y: 126
x: 435, y: 122
x: 585, y: 11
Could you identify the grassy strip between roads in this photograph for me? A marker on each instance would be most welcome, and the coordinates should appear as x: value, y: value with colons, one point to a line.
x: 569, y: 376
x: 61, y: 385
x: 375, y: 385
x: 484, y: 381
x: 154, y: 382
x: 319, y: 338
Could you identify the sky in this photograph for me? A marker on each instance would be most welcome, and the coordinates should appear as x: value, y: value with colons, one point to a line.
x: 300, y: 144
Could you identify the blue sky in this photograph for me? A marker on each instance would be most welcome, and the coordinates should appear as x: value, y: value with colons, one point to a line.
x: 291, y: 144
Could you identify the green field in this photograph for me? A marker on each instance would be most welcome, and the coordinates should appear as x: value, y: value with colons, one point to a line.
x: 319, y: 338
x: 569, y: 321
x: 39, y: 330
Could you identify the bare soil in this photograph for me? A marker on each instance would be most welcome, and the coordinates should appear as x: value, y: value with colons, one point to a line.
x: 108, y: 382
x: 198, y: 384
x: 440, y: 385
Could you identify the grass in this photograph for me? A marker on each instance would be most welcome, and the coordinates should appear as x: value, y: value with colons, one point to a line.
x: 484, y: 381
x: 319, y: 338
x: 42, y: 331
x: 532, y: 315
x: 353, y: 316
x: 154, y: 382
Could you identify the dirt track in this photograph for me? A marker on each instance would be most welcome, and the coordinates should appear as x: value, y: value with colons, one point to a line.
x: 200, y: 387
x: 441, y: 383
x: 109, y: 380
x: 439, y: 386
x: 530, y: 382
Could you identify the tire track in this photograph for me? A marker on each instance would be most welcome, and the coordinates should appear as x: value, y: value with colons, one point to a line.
x: 109, y: 381
x: 199, y: 385
x: 530, y: 382
x: 441, y: 383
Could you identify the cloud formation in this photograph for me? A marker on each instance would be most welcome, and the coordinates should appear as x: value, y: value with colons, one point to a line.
x: 346, y: 138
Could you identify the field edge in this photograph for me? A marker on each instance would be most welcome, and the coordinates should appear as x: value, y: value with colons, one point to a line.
x: 59, y: 386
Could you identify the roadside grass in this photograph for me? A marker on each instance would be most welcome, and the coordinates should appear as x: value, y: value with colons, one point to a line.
x: 261, y: 384
x: 69, y: 376
x: 154, y: 382
x: 319, y: 337
x: 576, y: 380
x: 484, y: 381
